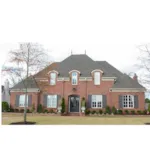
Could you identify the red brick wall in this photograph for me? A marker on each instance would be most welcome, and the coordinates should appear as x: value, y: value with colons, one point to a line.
x: 13, y: 99
x: 84, y: 88
x: 141, y: 98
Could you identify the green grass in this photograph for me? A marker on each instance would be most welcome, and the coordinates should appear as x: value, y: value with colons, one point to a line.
x: 76, y: 120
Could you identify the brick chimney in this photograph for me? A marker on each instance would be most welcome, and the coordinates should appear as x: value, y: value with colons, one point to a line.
x: 135, y: 77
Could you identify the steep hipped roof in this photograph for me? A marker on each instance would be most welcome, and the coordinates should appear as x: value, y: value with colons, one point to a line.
x: 43, y: 73
x: 82, y: 63
x: 30, y: 82
x: 123, y: 80
x: 85, y: 65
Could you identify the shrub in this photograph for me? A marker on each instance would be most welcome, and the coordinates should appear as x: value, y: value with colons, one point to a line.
x: 12, y: 110
x: 104, y: 113
x: 87, y: 112
x: 93, y: 112
x: 45, y: 111
x: 100, y: 111
x: 139, y: 112
x: 144, y: 112
x: 33, y: 108
x: 120, y: 112
x: 133, y: 112
x: 5, y: 107
x: 21, y: 110
x: 126, y: 111
x: 16, y: 110
x: 149, y: 107
x: 40, y: 108
x: 63, y: 106
x: 51, y: 111
x: 28, y: 110
x: 107, y: 110
x: 114, y: 110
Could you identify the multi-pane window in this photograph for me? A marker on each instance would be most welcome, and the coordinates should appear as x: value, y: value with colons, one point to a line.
x: 74, y: 78
x: 52, y: 101
x: 96, y: 101
x: 52, y: 78
x: 22, y: 101
x: 128, y: 101
x: 97, y: 78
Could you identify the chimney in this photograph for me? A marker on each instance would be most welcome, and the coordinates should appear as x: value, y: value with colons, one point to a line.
x: 135, y: 77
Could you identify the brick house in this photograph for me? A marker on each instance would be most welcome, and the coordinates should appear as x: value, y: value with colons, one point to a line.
x: 76, y: 77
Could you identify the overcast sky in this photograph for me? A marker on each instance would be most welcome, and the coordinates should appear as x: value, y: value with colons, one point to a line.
x: 108, y: 30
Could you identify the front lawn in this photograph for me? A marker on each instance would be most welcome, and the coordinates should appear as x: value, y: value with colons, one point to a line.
x: 76, y: 120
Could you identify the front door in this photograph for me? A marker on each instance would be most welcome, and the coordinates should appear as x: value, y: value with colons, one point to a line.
x: 74, y: 103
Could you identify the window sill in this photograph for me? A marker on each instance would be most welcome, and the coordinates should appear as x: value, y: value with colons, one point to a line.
x: 128, y: 108
x: 96, y: 107
x: 52, y: 107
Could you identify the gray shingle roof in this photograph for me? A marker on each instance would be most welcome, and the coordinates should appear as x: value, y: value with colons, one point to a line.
x: 123, y: 80
x: 85, y: 65
x: 82, y: 63
x: 31, y: 83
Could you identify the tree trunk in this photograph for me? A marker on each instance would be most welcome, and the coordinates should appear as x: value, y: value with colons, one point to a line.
x: 25, y: 107
x: 26, y: 93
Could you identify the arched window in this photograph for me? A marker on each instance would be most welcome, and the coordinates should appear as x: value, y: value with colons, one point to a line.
x: 74, y: 78
x: 52, y: 78
x: 97, y: 78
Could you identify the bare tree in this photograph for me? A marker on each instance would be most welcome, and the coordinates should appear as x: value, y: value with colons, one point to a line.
x: 144, y: 64
x: 32, y: 57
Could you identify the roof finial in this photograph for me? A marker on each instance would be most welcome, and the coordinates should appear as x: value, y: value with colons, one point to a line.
x: 85, y: 51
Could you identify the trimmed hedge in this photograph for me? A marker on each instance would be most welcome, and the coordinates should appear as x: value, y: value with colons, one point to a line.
x: 119, y: 112
x: 126, y: 112
x: 87, y: 112
x: 100, y: 111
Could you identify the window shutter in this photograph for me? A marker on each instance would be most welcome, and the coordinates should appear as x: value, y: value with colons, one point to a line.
x: 17, y: 100
x: 29, y: 100
x: 120, y: 101
x: 136, y: 101
x: 89, y: 101
x: 104, y: 101
x: 58, y: 99
x: 45, y: 100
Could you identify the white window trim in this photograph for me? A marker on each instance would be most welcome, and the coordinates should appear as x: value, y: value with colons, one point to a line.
x: 72, y: 78
x: 74, y: 71
x: 51, y: 102
x: 97, y: 70
x: 97, y: 102
x: 128, y: 102
x: 53, y: 71
x: 55, y: 78
x: 99, y: 78
x: 24, y: 101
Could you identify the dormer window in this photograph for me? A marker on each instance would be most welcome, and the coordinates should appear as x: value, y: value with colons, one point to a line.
x: 52, y: 78
x: 97, y: 78
x: 74, y: 78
